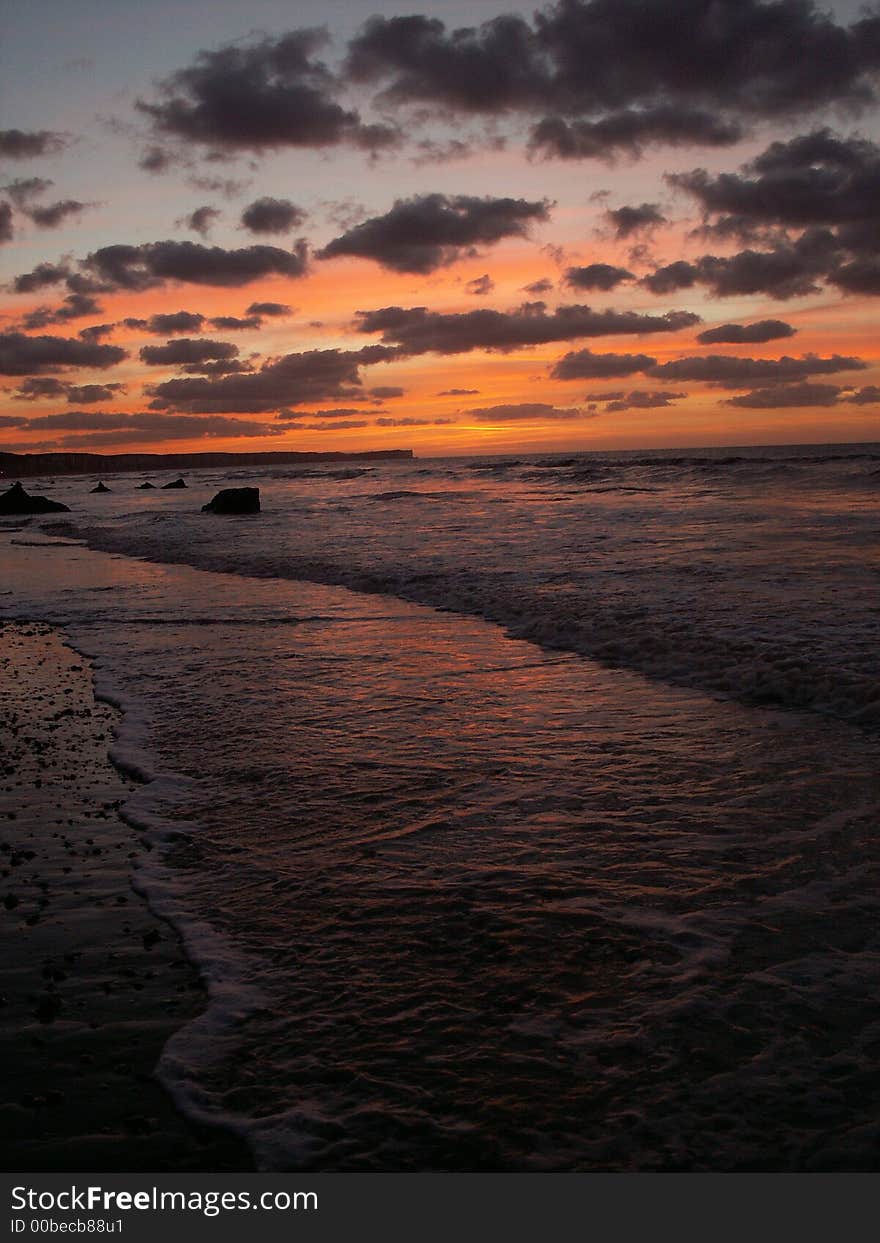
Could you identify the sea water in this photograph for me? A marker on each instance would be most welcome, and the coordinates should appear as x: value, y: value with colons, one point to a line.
x: 520, y: 814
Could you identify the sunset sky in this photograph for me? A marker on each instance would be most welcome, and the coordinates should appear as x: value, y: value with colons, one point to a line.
x: 458, y: 228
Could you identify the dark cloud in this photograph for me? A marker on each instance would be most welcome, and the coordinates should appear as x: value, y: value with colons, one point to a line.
x: 787, y: 396
x: 417, y: 330
x: 154, y: 263
x: 40, y: 388
x: 23, y: 355
x: 608, y: 75
x: 108, y: 429
x: 488, y: 69
x: 410, y: 422
x: 55, y: 214
x: 269, y: 309
x: 234, y: 323
x: 744, y: 56
x: 818, y: 178
x: 37, y: 388
x: 23, y: 190
x: 597, y: 276
x: 746, y: 334
x: 18, y: 144
x: 630, y: 220
x: 480, y: 285
x: 88, y: 394
x: 383, y: 392
x: 630, y: 131
x: 641, y: 399
x: 156, y: 159
x: 458, y: 392
x: 6, y: 232
x: 430, y: 231
x: 538, y: 287
x: 74, y: 306
x: 260, y: 96
x: 342, y: 425
x: 201, y: 220
x: 167, y: 325
x: 219, y: 366
x: 95, y: 332
x: 823, y: 184
x: 728, y: 371
x: 531, y: 410
x: 585, y: 365
x: 789, y: 270
x: 268, y: 215
x: 40, y: 277
x: 864, y: 396
x: 187, y: 350
x: 293, y: 380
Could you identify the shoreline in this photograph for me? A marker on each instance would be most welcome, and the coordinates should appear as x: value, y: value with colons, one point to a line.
x: 92, y: 984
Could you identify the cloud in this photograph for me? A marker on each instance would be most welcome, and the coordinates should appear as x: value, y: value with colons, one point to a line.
x: 156, y: 159
x: 630, y: 220
x: 234, y: 323
x: 480, y: 285
x: 6, y: 232
x: 18, y: 144
x: 409, y: 422
x: 293, y: 380
x: 201, y: 220
x: 24, y: 189
x: 531, y: 410
x: 746, y: 334
x: 383, y: 392
x: 431, y: 231
x: 268, y: 215
x: 544, y: 285
x: 728, y: 371
x: 787, y: 395
x: 109, y: 429
x: 260, y: 96
x: 186, y: 350
x: 55, y: 214
x: 218, y: 366
x: 96, y: 331
x: 864, y: 396
x: 585, y: 365
x: 342, y: 425
x: 74, y: 306
x: 153, y: 263
x: 458, y: 392
x: 631, y: 130
x: 41, y: 388
x: 789, y: 270
x: 23, y: 355
x: 40, y: 277
x: 269, y: 309
x: 639, y: 399
x: 166, y: 325
x: 417, y: 330
x: 614, y: 75
x: 817, y: 178
x: 602, y: 276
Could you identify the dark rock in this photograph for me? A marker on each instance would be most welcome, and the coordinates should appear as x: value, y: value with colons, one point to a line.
x: 102, y: 487
x: 17, y: 501
x: 176, y: 483
x: 234, y: 501
x: 147, y: 484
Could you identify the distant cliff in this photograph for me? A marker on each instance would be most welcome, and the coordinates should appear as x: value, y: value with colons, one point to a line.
x: 23, y: 465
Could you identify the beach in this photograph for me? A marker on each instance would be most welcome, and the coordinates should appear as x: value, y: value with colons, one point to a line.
x: 92, y: 983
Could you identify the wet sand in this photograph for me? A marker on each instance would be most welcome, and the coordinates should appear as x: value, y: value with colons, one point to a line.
x: 91, y: 983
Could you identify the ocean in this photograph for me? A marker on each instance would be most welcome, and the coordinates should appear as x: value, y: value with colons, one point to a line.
x: 520, y: 813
